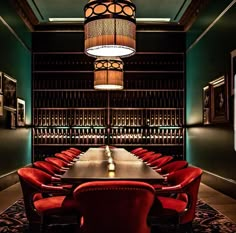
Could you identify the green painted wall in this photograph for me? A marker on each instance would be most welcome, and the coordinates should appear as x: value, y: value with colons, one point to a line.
x: 208, y: 57
x: 15, y: 60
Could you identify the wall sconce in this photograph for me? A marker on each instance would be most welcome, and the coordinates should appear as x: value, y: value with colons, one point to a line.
x: 110, y: 28
x: 108, y: 73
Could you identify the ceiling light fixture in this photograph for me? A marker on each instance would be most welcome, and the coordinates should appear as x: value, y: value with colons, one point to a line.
x: 108, y: 73
x: 110, y: 28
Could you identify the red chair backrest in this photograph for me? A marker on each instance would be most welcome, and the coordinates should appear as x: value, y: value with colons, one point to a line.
x: 78, y: 151
x: 140, y: 152
x: 146, y: 154
x: 171, y: 167
x: 69, y: 153
x: 115, y: 206
x: 161, y: 161
x: 58, y: 162
x: 64, y: 157
x: 48, y: 167
x: 151, y: 157
x: 136, y: 150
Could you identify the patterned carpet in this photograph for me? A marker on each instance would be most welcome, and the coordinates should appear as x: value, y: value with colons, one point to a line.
x: 208, y: 220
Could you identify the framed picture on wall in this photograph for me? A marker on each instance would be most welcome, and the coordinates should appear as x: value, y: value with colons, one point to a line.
x: 9, y: 92
x: 1, y: 105
x: 206, y: 105
x: 1, y: 82
x: 20, y: 112
x: 219, y: 100
x: 232, y: 70
x: 12, y: 116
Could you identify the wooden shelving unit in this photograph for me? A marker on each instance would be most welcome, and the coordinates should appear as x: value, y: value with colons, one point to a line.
x: 67, y: 111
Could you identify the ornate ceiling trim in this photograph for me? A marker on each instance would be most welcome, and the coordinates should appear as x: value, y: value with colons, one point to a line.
x: 192, y: 12
x: 25, y: 12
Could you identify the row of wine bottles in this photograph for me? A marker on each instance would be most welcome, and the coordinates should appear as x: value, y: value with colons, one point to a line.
x: 72, y: 62
x: 169, y: 81
x: 65, y: 136
x: 125, y: 99
x: 99, y: 117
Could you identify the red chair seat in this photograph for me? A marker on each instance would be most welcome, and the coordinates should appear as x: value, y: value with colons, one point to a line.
x: 171, y: 205
x: 56, y: 205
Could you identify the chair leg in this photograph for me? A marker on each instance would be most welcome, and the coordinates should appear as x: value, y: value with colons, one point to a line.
x: 43, y: 224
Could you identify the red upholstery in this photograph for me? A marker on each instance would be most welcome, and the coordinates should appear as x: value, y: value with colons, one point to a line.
x: 58, y: 162
x: 64, y: 157
x: 140, y: 152
x: 70, y: 153
x: 148, y: 153
x: 171, y: 167
x: 115, y: 206
x: 185, y: 183
x: 136, y: 150
x: 75, y: 150
x: 160, y: 161
x: 35, y: 184
x: 151, y: 157
x: 49, y: 168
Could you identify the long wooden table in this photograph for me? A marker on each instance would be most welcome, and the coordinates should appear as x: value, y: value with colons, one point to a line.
x: 93, y: 165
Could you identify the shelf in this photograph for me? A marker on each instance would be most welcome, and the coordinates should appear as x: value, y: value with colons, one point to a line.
x: 94, y: 145
x: 66, y: 108
x: 69, y: 112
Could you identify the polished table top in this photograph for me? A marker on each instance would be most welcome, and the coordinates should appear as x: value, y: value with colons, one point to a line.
x: 93, y: 165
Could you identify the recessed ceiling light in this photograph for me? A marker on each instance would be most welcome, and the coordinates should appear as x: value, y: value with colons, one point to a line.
x: 142, y: 20
x: 66, y: 20
x: 152, y: 20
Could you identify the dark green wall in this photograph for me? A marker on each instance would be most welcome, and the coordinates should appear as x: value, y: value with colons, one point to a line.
x: 208, y: 57
x: 15, y: 60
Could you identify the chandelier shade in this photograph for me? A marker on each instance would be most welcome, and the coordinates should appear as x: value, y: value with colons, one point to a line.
x: 108, y: 73
x: 110, y: 28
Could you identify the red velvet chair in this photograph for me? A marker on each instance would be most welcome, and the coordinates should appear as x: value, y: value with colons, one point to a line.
x: 114, y: 206
x: 58, y: 162
x: 39, y: 208
x: 64, y: 157
x: 160, y: 162
x: 178, y: 198
x: 148, y: 153
x: 136, y: 150
x: 171, y: 167
x: 78, y: 151
x: 49, y: 168
x: 151, y: 157
x: 140, y: 152
x: 72, y: 154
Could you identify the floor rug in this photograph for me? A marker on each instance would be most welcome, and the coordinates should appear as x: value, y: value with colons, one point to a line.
x: 208, y: 220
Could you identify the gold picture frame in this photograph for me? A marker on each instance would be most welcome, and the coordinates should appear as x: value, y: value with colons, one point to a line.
x: 1, y: 105
x: 206, y: 102
x: 9, y: 92
x: 20, y: 112
x: 219, y: 100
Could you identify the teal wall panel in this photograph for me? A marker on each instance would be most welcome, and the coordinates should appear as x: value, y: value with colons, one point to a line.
x: 208, y: 57
x: 15, y: 60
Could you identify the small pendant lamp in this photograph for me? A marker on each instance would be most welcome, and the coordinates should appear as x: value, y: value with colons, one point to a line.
x: 110, y: 28
x: 108, y: 73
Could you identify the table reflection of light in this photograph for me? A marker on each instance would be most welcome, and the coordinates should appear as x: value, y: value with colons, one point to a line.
x: 111, y: 173
x: 111, y: 167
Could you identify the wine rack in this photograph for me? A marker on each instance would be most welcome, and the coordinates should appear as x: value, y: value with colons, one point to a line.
x: 67, y: 111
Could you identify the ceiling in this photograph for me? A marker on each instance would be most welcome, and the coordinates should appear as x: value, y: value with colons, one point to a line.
x: 36, y: 13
